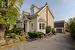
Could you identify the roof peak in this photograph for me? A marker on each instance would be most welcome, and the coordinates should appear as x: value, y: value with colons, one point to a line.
x: 46, y: 3
x: 34, y: 6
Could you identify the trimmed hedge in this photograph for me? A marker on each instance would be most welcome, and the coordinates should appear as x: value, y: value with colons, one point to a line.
x: 32, y: 34
x: 35, y: 34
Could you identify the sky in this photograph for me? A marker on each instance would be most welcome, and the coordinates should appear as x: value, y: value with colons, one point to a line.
x: 61, y: 9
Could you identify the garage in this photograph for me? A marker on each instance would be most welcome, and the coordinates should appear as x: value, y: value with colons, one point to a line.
x: 59, y: 30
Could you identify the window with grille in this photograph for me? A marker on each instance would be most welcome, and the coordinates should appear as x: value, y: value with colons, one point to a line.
x: 41, y: 26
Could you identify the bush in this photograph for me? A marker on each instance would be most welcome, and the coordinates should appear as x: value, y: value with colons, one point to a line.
x: 72, y: 30
x: 12, y: 35
x: 35, y: 34
x: 48, y: 29
x: 72, y: 27
x: 40, y: 34
x: 32, y: 34
x: 15, y: 33
x: 22, y: 37
x: 14, y: 30
x: 53, y: 31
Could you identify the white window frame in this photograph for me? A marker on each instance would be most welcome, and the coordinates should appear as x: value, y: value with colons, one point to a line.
x: 42, y: 26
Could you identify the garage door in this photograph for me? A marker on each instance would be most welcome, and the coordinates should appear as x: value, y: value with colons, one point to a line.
x: 59, y: 30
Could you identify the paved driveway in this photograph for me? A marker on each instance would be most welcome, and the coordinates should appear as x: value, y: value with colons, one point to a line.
x: 56, y: 42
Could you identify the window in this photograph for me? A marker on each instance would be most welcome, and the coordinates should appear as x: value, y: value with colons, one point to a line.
x: 41, y: 26
x: 31, y: 25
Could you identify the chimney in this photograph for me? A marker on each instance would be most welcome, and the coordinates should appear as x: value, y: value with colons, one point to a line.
x: 32, y: 9
x: 46, y: 12
x: 46, y: 3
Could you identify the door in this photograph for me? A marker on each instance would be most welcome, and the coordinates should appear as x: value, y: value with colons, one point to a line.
x: 25, y: 26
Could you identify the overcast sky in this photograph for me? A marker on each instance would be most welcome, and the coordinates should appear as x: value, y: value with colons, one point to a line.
x: 61, y: 9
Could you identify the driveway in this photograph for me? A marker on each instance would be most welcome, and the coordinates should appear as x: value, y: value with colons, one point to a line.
x: 56, y: 42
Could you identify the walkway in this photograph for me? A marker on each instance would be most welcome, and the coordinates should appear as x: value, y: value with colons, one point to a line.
x: 56, y: 42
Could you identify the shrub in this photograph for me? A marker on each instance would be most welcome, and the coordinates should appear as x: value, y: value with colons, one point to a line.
x: 16, y: 30
x: 13, y: 30
x: 15, y: 33
x: 12, y: 35
x: 72, y: 30
x: 40, y: 34
x: 53, y: 31
x: 32, y: 34
x: 72, y: 27
x: 22, y: 37
x: 48, y: 29
x: 35, y: 34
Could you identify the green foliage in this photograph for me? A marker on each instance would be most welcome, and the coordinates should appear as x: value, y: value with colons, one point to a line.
x: 0, y: 3
x: 12, y: 35
x: 72, y: 27
x: 39, y: 34
x: 8, y: 15
x: 12, y: 2
x: 35, y: 34
x: 14, y: 30
x: 53, y: 31
x: 48, y: 29
x: 2, y: 21
x: 12, y: 38
x: 22, y: 37
x: 32, y: 35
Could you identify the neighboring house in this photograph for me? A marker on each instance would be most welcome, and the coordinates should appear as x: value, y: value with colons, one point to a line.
x: 60, y: 26
x: 37, y: 20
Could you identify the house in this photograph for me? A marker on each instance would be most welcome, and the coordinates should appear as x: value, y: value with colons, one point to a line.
x: 37, y: 20
x: 60, y: 26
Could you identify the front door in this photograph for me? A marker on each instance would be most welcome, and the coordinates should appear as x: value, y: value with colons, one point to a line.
x: 25, y: 26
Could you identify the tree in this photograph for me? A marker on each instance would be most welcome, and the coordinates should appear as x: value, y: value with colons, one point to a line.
x: 72, y: 27
x: 8, y: 15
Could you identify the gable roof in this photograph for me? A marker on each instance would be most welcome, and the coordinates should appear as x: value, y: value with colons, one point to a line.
x: 48, y: 9
x: 34, y: 6
x: 31, y: 16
